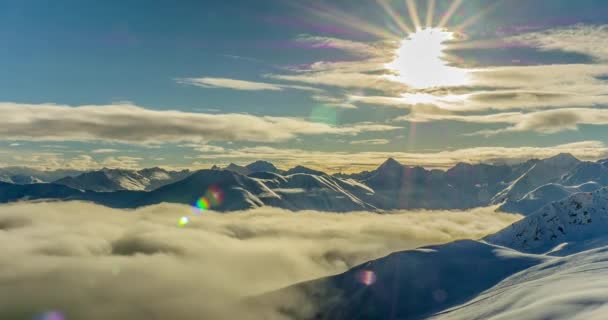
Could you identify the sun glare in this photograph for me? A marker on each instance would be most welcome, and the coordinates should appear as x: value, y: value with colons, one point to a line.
x: 420, y: 60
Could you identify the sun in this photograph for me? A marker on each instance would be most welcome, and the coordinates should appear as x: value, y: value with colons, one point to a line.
x: 420, y: 63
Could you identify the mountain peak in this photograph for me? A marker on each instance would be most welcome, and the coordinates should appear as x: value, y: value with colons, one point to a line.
x: 390, y: 164
x: 238, y: 169
x: 562, y: 159
x: 262, y: 166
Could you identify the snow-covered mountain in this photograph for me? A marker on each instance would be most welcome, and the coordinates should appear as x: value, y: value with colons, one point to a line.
x: 411, y: 284
x: 573, y: 221
x: 552, y: 264
x: 570, y: 284
x: 25, y: 175
x: 566, y: 288
x: 521, y: 188
x: 108, y: 180
x: 262, y: 166
x: 254, y: 167
x: 238, y: 169
x: 539, y: 173
x: 302, y: 169
x: 296, y: 192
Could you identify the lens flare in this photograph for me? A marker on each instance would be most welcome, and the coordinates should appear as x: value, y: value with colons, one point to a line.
x: 214, y: 196
x: 183, y: 221
x: 367, y: 277
x: 203, y: 204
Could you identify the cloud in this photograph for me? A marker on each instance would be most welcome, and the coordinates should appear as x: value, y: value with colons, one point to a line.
x: 546, y: 121
x: 366, y: 72
x: 131, y: 124
x: 92, y: 262
x: 591, y: 40
x: 355, y: 47
x: 80, y: 162
x: 375, y: 65
x: 339, y: 161
x: 351, y: 80
x: 508, y: 88
x: 122, y: 162
x: 209, y: 148
x: 335, y: 102
x: 371, y: 141
x: 239, y: 84
x: 104, y: 151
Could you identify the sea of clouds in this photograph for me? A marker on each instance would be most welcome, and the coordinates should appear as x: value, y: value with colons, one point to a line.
x: 92, y: 262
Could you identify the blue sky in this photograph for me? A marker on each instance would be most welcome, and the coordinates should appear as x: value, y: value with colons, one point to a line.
x: 86, y: 84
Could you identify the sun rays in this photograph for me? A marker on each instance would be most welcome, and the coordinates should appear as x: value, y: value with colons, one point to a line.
x: 422, y: 33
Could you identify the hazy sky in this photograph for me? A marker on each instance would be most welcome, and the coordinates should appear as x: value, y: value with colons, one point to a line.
x: 337, y: 85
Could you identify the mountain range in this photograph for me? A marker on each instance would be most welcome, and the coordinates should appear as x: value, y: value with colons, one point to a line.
x: 109, y: 180
x: 521, y: 188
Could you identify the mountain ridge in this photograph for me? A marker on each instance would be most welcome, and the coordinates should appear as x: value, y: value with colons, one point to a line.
x: 521, y: 188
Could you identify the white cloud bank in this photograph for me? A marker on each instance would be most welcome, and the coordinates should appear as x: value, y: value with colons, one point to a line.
x: 128, y: 123
x: 92, y: 262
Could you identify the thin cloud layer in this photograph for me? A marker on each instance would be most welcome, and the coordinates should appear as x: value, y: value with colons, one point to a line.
x: 547, y: 121
x: 591, y: 40
x: 92, y: 262
x: 235, y: 84
x: 132, y: 124
x: 371, y: 142
x: 354, y: 47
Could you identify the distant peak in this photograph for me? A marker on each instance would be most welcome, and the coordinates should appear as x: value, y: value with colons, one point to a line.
x: 238, y: 169
x: 262, y: 166
x: 463, y: 165
x: 233, y: 166
x: 564, y: 155
x: 259, y: 162
x: 562, y: 158
x: 390, y: 163
x: 303, y: 169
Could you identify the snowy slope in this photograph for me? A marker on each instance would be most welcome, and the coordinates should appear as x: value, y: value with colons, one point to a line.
x: 567, y: 288
x: 544, y: 195
x: 542, y: 172
x: 262, y: 166
x: 407, y: 285
x: 108, y: 180
x: 318, y: 192
x: 20, y: 179
x: 25, y: 175
x: 580, y: 220
x: 550, y: 265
